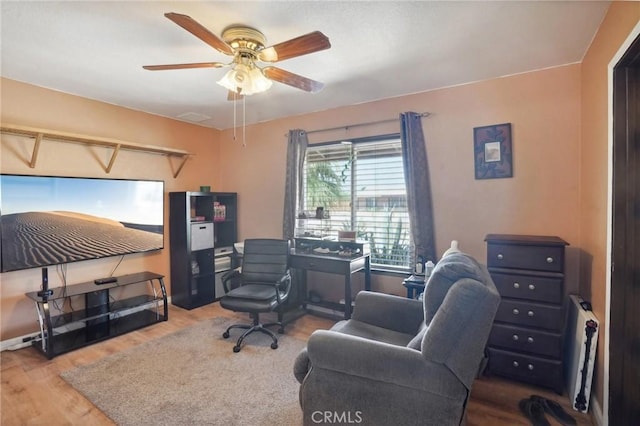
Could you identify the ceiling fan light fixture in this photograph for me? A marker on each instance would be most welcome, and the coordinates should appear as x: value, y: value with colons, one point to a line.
x: 245, y: 79
x: 259, y: 83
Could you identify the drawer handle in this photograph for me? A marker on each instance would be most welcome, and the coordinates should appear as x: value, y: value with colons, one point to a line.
x: 530, y: 339
x: 532, y: 287
x: 550, y: 259
x: 530, y: 367
x: 530, y: 313
x: 516, y: 285
x: 516, y: 312
x: 515, y: 364
x: 515, y: 337
x: 500, y: 256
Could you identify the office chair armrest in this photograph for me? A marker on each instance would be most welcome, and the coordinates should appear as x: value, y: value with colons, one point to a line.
x: 228, y: 276
x: 286, y: 279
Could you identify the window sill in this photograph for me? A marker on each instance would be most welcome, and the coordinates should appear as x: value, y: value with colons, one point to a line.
x: 393, y: 272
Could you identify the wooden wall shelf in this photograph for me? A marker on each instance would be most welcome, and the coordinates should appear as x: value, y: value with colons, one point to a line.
x: 116, y: 145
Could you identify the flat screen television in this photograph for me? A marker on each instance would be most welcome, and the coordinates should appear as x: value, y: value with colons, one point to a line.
x: 50, y: 220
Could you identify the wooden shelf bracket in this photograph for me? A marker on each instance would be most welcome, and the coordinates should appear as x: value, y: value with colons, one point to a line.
x: 40, y: 134
x: 36, y: 147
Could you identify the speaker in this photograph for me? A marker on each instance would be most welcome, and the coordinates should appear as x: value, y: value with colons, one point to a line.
x: 45, y: 293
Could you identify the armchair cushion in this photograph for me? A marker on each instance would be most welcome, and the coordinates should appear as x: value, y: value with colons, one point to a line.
x: 447, y: 271
x: 458, y: 333
x: 388, y: 311
x: 367, y: 331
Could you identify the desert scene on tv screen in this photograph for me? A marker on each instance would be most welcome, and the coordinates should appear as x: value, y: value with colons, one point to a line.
x: 92, y: 224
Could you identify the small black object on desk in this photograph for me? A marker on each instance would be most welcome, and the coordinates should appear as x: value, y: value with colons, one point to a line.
x: 107, y: 280
x: 415, y: 285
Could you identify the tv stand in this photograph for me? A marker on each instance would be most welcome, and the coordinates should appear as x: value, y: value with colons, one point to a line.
x: 102, y: 316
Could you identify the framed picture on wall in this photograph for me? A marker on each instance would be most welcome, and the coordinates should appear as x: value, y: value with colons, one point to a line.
x: 492, y: 150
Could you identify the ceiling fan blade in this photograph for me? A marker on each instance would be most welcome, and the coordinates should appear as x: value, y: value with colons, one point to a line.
x: 291, y: 79
x: 184, y: 66
x: 303, y: 45
x: 201, y: 32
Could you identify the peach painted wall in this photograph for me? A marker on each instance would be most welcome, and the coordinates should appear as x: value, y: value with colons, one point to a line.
x: 28, y: 105
x: 618, y: 23
x: 542, y: 197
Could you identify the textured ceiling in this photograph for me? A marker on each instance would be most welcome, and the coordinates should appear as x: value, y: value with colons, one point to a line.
x: 379, y: 49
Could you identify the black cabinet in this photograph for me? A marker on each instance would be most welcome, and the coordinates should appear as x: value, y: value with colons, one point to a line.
x: 202, y: 225
x: 225, y: 220
x: 526, y: 339
x: 191, y: 233
x: 226, y: 234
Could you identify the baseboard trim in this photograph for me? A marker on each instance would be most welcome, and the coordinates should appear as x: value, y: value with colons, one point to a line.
x: 18, y: 342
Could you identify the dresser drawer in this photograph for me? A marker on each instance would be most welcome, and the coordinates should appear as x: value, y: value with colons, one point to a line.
x: 529, y: 287
x: 530, y: 314
x: 535, y: 257
x: 535, y: 342
x: 528, y: 368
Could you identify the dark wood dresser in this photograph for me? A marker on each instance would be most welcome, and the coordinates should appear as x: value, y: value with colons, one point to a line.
x: 527, y: 335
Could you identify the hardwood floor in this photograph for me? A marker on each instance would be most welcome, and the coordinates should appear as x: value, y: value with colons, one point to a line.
x: 34, y: 394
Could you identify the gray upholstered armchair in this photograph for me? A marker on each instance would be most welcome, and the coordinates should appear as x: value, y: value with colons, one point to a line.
x: 403, y: 361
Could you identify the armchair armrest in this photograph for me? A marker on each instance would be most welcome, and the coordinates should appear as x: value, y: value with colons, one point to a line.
x: 382, y: 362
x: 388, y: 311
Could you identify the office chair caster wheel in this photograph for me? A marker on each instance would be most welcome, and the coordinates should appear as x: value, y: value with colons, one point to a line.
x: 236, y: 349
x: 225, y: 334
x: 274, y: 345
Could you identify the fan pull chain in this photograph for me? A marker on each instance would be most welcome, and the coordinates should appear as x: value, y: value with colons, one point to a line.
x: 244, y: 122
x: 234, y: 116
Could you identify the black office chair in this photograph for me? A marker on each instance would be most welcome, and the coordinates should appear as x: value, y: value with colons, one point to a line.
x: 262, y: 285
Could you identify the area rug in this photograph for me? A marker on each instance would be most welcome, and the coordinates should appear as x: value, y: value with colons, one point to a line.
x: 193, y: 377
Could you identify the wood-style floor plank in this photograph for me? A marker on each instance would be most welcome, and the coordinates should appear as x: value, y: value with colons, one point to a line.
x: 32, y: 392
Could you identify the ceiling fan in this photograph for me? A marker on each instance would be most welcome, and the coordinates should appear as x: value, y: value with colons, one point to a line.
x: 247, y: 46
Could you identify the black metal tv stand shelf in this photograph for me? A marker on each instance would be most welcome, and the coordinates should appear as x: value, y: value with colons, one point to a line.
x: 102, y: 316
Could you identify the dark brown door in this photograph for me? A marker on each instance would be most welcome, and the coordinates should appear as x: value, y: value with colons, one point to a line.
x: 624, y: 345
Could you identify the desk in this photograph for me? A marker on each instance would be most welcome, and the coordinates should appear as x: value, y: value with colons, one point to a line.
x: 335, y: 265
x: 415, y: 286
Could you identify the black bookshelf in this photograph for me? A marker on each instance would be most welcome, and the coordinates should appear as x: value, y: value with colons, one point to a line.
x: 200, y: 224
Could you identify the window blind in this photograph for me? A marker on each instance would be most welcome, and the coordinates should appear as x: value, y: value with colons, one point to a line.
x: 361, y: 187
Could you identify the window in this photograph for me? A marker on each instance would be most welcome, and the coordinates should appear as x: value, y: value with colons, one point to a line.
x: 360, y: 184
